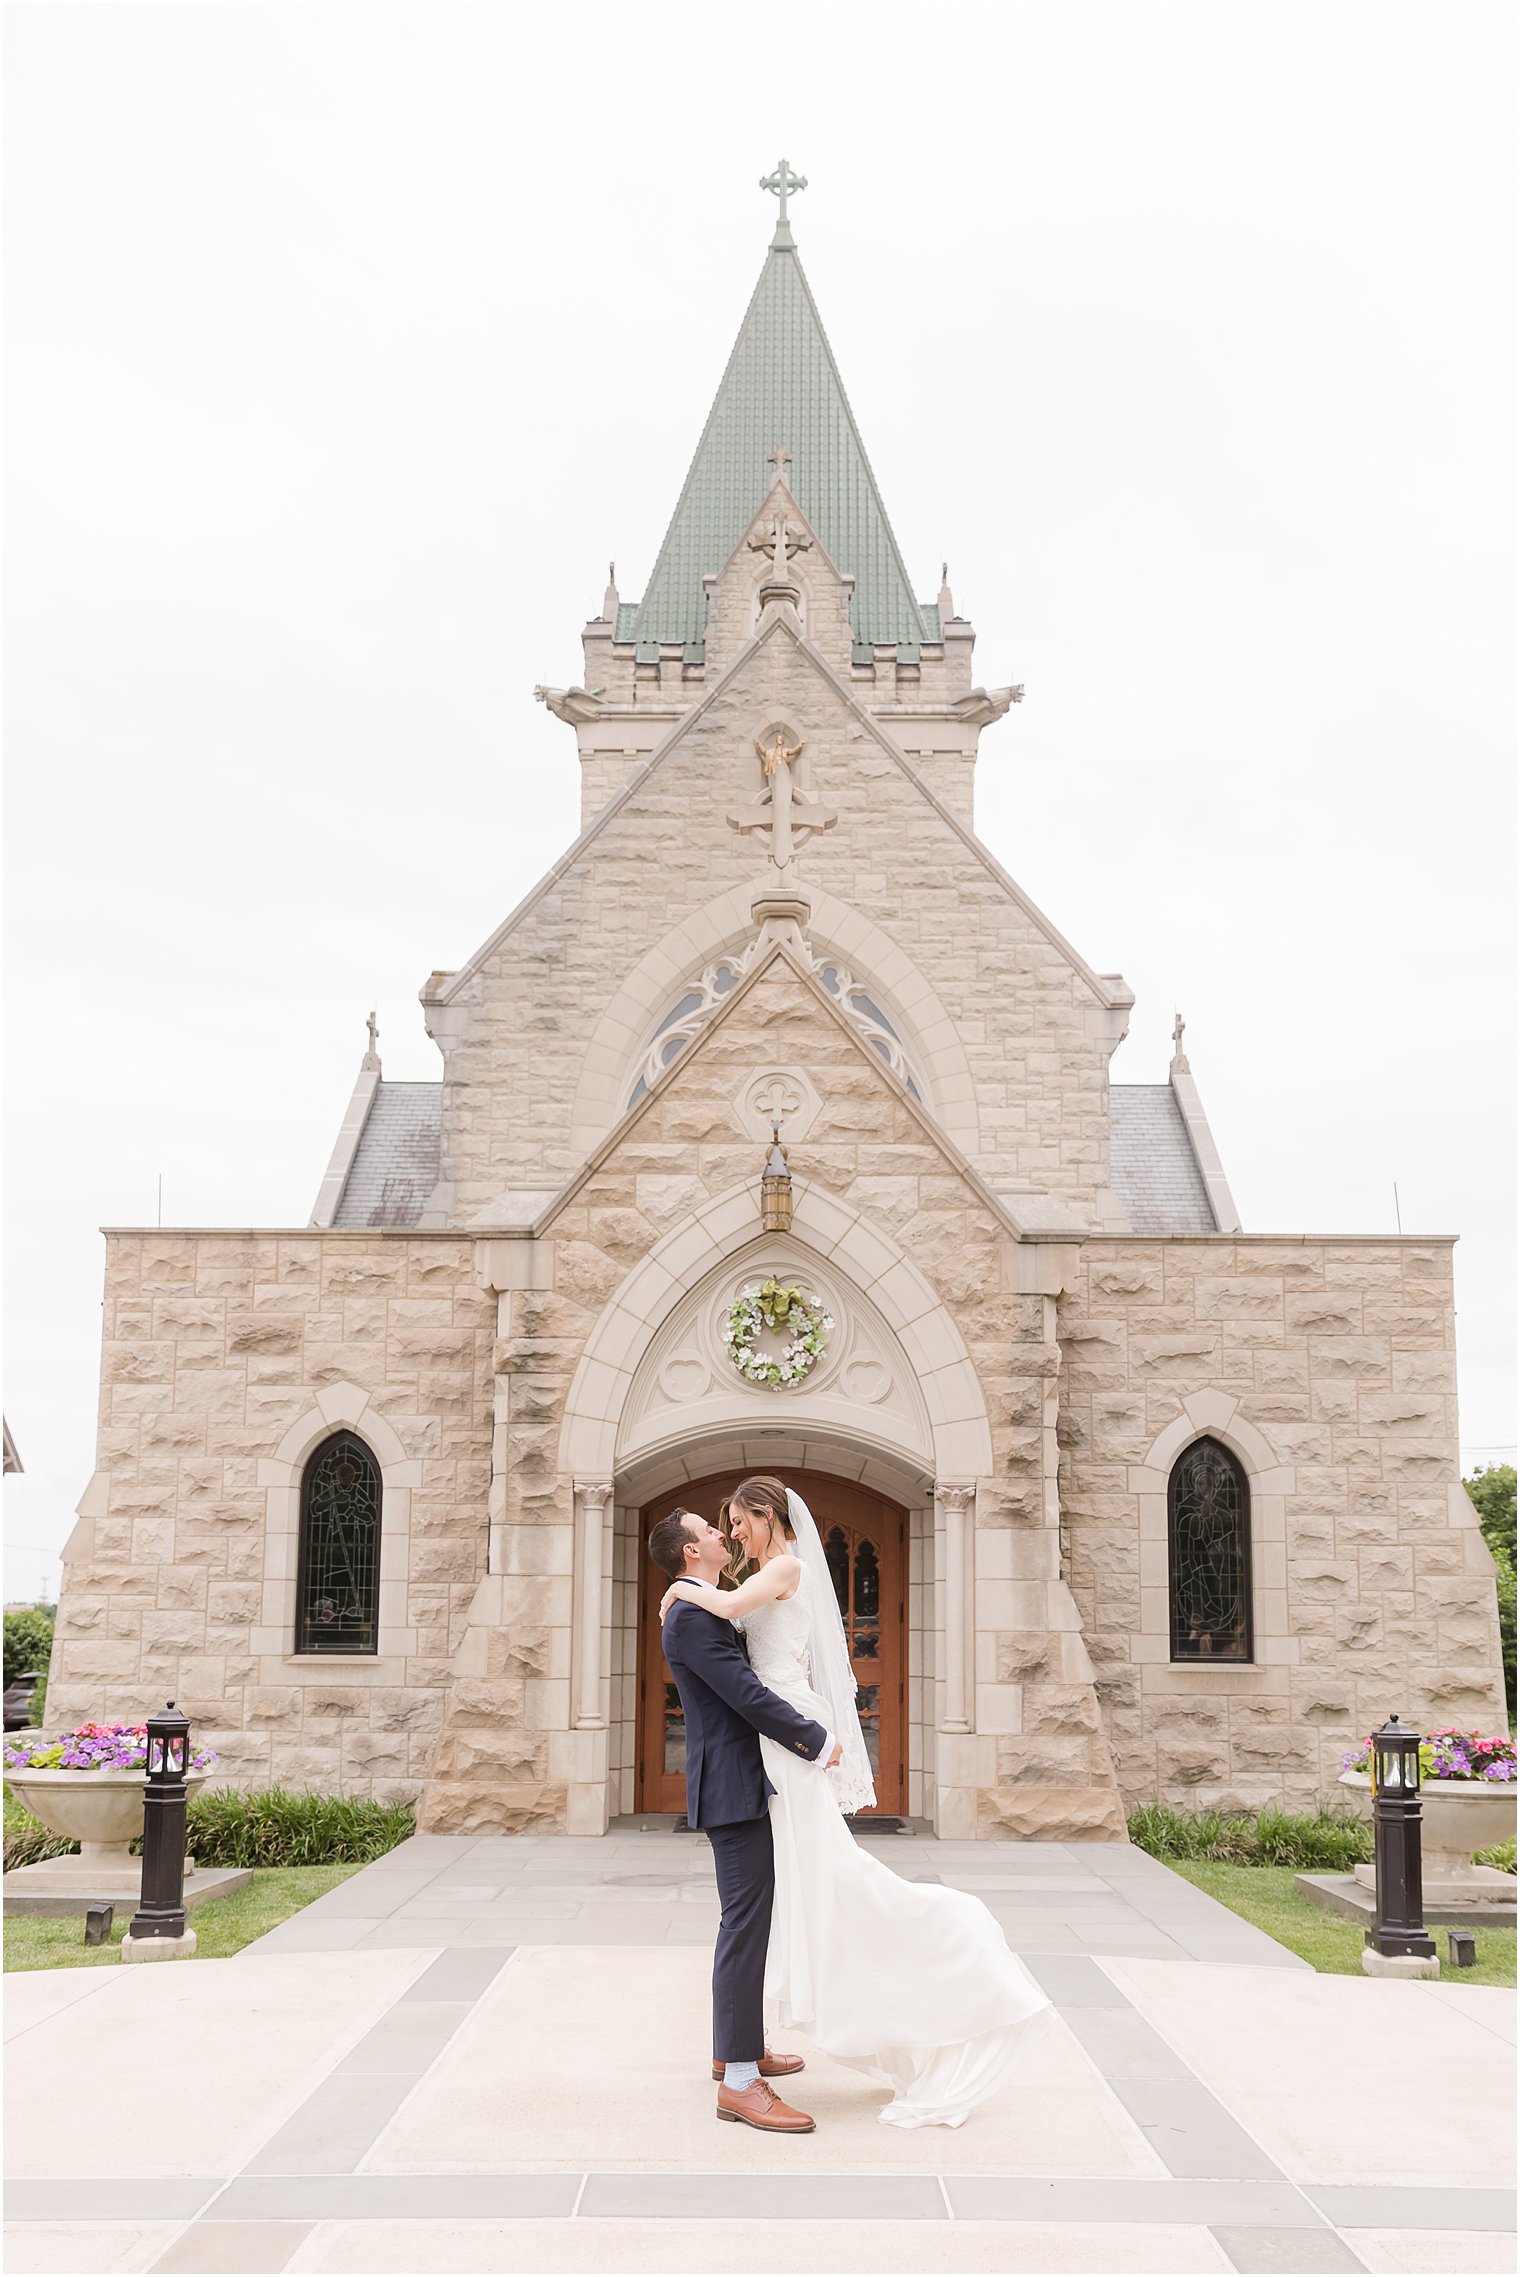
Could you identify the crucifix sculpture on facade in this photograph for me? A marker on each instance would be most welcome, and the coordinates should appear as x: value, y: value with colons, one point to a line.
x: 782, y: 808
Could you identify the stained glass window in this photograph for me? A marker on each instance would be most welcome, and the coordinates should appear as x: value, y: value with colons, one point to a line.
x: 1209, y: 1547
x: 338, y: 1585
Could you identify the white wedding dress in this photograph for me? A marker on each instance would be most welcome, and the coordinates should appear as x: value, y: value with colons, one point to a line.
x: 905, y: 1978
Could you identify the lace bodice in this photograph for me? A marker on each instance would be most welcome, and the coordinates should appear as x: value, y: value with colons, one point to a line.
x: 777, y: 1636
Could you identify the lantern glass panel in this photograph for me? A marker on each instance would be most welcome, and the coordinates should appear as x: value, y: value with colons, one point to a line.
x: 155, y: 1755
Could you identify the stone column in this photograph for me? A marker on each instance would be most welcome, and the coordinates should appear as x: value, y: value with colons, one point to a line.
x: 590, y: 1557
x: 956, y: 1504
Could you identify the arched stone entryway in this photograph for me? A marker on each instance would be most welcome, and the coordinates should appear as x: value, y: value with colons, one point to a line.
x: 896, y: 1412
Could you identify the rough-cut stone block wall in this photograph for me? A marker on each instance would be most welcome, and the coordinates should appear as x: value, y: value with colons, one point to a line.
x: 216, y: 1347
x: 1039, y: 1762
x: 1036, y: 1036
x: 1330, y: 1368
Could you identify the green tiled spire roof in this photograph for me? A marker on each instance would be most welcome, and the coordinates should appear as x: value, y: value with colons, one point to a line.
x: 782, y: 387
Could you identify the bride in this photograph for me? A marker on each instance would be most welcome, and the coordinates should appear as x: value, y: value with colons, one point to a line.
x: 905, y: 1978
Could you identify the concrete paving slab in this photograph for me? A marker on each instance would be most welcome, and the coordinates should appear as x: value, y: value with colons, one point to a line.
x: 198, y: 2063
x: 569, y: 2049
x: 748, y: 2249
x: 1298, y: 2253
x: 460, y: 1974
x: 1191, y: 2132
x: 1432, y: 2253
x: 35, y: 1996
x: 1488, y: 2005
x: 1351, y: 2206
x: 380, y: 2198
x: 407, y: 2038
x: 1304, y: 2062
x: 335, y: 2125
x: 326, y: 1933
x: 1098, y: 2200
x: 759, y: 2197
x: 83, y: 2249
x: 248, y: 2249
x: 125, y: 2198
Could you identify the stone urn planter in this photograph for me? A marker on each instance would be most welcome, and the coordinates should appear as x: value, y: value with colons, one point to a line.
x: 100, y: 1810
x: 1457, y: 1817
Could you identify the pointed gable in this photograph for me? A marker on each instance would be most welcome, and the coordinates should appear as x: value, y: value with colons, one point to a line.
x: 781, y: 388
x: 871, y: 1144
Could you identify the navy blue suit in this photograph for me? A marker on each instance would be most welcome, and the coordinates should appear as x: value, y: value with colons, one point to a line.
x: 726, y: 1708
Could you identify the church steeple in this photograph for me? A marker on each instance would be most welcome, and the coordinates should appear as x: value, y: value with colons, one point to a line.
x: 781, y: 383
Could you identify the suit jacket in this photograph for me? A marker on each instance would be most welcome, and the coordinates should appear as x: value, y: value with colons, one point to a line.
x: 726, y: 1707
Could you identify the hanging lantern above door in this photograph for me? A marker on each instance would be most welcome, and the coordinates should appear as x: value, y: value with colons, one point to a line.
x: 776, y: 1187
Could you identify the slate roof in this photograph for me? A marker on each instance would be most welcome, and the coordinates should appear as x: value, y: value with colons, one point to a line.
x: 395, y: 1165
x: 782, y: 386
x: 1152, y: 1166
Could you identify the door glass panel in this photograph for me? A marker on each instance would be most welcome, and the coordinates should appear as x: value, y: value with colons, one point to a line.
x: 868, y: 1704
x: 867, y: 1582
x: 675, y: 1731
x: 837, y: 1551
x: 866, y: 1642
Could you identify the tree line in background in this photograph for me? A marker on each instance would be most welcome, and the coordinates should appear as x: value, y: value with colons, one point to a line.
x: 1492, y: 1489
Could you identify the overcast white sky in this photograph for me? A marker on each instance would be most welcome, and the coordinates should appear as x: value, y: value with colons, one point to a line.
x: 347, y: 342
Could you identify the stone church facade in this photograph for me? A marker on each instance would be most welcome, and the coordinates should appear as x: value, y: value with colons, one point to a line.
x: 1124, y: 1501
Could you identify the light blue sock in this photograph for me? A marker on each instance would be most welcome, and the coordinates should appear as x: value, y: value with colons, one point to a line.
x: 740, y: 2075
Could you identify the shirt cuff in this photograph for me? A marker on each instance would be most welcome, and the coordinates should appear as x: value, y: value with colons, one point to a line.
x: 827, y: 1749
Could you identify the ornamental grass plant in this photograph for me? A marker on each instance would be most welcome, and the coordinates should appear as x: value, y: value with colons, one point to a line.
x: 1321, y: 1842
x: 272, y: 1827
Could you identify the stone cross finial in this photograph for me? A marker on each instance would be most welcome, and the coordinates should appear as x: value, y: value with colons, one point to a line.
x: 781, y: 184
x: 780, y: 460
x: 1179, y: 1056
x: 372, y: 1055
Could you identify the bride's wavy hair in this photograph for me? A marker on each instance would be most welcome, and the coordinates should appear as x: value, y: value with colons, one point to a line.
x: 760, y: 1497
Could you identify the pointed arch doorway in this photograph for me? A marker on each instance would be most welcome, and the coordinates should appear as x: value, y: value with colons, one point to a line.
x: 865, y: 1538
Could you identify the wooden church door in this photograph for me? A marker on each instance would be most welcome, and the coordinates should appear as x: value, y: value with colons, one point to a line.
x: 865, y: 1539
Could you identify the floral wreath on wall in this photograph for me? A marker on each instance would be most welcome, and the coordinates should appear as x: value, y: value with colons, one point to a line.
x: 775, y: 1304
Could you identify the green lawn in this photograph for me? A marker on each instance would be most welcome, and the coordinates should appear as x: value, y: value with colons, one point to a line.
x: 1265, y: 1895
x: 222, y: 1926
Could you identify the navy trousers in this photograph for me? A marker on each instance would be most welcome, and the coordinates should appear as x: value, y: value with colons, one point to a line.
x: 746, y: 1867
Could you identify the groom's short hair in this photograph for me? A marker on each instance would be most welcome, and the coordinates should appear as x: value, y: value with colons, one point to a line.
x: 668, y: 1540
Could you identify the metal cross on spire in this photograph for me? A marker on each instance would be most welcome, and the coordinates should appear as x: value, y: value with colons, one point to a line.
x: 781, y: 184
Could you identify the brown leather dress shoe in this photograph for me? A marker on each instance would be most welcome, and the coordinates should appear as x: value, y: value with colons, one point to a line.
x: 771, y: 2066
x: 760, y: 2106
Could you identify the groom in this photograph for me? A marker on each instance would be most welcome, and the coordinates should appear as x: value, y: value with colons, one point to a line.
x: 726, y: 1708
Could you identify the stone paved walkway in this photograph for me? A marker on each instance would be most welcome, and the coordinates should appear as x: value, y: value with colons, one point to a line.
x: 654, y: 1887
x: 468, y: 2058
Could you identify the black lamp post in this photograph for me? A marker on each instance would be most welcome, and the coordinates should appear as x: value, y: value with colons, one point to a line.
x: 1398, y: 1926
x: 162, y: 1910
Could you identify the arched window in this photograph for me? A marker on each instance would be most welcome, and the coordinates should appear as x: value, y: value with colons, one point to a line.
x: 338, y: 1580
x: 703, y: 994
x: 1209, y: 1554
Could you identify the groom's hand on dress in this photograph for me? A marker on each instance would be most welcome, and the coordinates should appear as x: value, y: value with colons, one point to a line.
x: 836, y: 1758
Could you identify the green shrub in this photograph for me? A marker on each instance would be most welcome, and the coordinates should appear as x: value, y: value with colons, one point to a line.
x: 1499, y: 1854
x: 270, y: 1828
x: 277, y: 1828
x: 1324, y: 1842
x: 28, y: 1641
